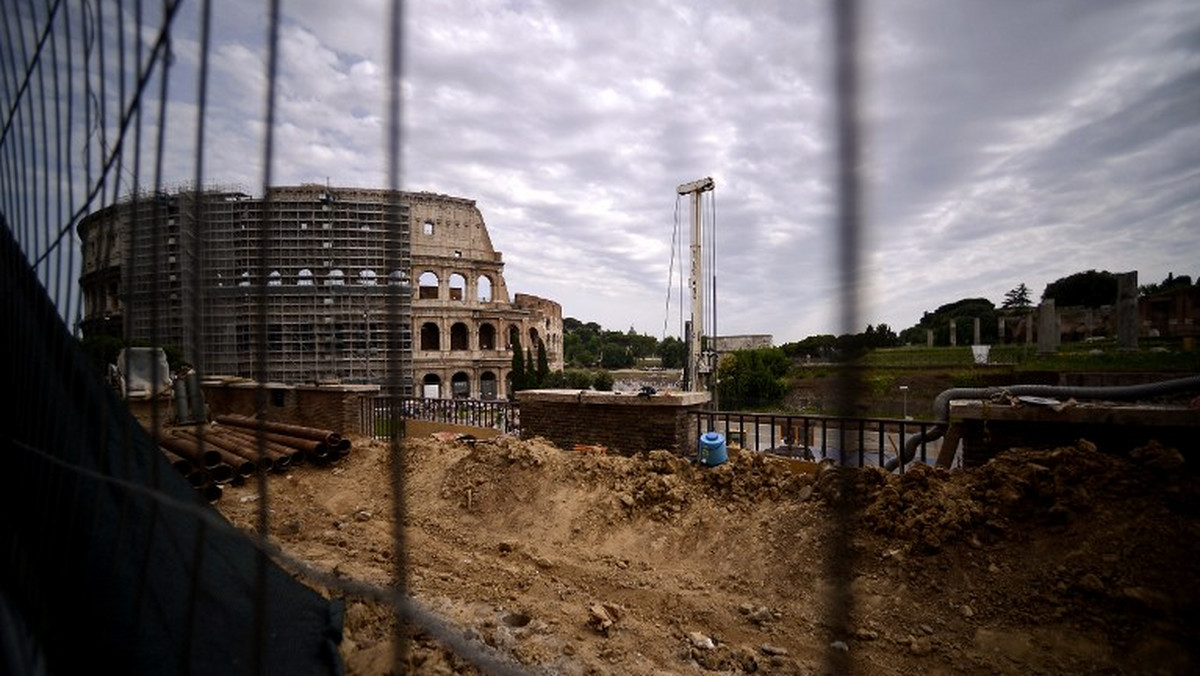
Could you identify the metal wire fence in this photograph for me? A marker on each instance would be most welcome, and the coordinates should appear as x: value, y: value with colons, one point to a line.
x: 114, y: 558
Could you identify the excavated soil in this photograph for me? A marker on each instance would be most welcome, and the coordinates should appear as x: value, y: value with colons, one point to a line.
x: 1043, y: 562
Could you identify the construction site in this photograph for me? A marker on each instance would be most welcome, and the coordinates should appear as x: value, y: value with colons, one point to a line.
x: 341, y: 473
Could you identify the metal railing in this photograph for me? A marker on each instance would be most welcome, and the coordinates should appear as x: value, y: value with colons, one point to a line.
x: 857, y: 442
x: 379, y: 414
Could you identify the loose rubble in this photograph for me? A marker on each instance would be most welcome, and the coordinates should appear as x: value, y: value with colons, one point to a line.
x: 579, y: 562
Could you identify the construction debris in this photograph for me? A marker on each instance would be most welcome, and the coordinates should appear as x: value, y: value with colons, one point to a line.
x: 236, y: 448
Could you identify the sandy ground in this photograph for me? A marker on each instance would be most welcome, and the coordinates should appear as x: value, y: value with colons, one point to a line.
x: 1044, y: 562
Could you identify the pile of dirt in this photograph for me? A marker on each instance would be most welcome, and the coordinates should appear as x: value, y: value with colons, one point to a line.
x: 1059, y: 561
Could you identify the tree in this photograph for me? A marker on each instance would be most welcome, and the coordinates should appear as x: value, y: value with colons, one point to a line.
x: 531, y: 374
x: 543, y: 364
x: 1083, y: 289
x: 1017, y: 298
x: 963, y: 311
x: 518, y: 366
x: 752, y: 379
x: 673, y: 352
x: 1167, y: 284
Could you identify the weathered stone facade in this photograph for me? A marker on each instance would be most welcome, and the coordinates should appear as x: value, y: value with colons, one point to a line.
x: 351, y: 282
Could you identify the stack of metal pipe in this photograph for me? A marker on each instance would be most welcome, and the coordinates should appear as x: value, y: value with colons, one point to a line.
x: 237, y: 447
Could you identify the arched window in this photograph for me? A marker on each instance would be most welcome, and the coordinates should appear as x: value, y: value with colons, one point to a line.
x: 460, y: 386
x: 458, y: 286
x: 488, y: 385
x: 304, y: 278
x: 366, y: 277
x: 487, y: 336
x: 431, y: 386
x: 427, y: 227
x: 274, y: 278
x: 245, y: 280
x: 514, y: 335
x: 428, y: 283
x: 485, y: 289
x: 533, y: 337
x: 335, y: 278
x: 459, y: 339
x: 398, y: 278
x: 430, y: 337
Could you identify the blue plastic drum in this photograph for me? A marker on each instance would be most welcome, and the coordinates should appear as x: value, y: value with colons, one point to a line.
x: 712, y: 449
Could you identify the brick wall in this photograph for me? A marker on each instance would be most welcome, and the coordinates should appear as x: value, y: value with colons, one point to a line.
x: 624, y: 423
x: 331, y: 408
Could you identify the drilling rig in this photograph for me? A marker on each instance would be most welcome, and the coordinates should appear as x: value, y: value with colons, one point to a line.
x: 699, y: 367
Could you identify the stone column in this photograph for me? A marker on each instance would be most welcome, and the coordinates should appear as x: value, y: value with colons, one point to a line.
x: 1127, y: 311
x: 1048, y: 337
x: 953, y: 333
x: 928, y: 337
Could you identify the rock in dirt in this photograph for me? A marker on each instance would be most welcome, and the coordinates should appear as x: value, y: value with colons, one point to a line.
x: 700, y: 641
x: 772, y: 650
x: 602, y: 616
x: 920, y: 646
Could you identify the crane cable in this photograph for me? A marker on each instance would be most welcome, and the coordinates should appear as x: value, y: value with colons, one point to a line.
x: 675, y: 244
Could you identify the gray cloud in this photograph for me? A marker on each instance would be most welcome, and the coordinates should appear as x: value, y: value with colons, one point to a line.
x: 999, y: 136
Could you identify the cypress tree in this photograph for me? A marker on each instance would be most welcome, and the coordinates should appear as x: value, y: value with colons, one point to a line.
x: 543, y: 364
x: 518, y: 365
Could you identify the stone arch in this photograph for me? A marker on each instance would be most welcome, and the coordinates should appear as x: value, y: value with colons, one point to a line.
x: 533, y: 337
x: 459, y: 337
x: 514, y: 335
x: 367, y: 277
x: 460, y: 385
x: 304, y: 277
x: 431, y: 386
x: 488, y: 385
x: 430, y: 336
x: 428, y: 285
x: 335, y: 278
x: 487, y: 336
x: 274, y: 278
x: 458, y: 286
x: 484, y: 291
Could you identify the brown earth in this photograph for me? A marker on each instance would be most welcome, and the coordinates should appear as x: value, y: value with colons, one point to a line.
x: 1044, y: 562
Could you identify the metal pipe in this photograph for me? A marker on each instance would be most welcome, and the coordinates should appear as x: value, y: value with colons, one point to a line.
x: 211, y: 491
x: 188, y: 448
x: 238, y: 448
x: 285, y: 454
x: 180, y: 463
x: 317, y: 450
x: 941, y: 404
x: 240, y: 465
x: 313, y: 433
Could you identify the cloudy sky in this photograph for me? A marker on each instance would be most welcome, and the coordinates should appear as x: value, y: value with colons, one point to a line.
x: 1005, y: 142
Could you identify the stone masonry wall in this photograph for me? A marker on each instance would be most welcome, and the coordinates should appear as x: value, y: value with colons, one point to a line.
x: 623, y: 423
x: 331, y: 408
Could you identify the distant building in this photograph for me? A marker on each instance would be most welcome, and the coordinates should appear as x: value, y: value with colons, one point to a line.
x: 724, y: 344
x: 1171, y: 313
x: 352, y: 281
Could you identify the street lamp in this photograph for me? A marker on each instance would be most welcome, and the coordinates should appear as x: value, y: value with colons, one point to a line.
x: 904, y: 389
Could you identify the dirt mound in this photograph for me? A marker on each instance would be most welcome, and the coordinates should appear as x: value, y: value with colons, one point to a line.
x: 580, y: 562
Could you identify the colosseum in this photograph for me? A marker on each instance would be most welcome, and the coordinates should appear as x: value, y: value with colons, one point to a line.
x: 330, y: 277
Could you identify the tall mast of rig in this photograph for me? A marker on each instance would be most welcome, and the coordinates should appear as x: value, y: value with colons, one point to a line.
x: 696, y: 363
